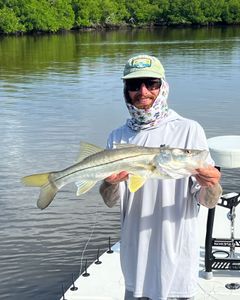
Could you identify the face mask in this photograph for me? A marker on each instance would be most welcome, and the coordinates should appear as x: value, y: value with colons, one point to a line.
x: 149, y: 118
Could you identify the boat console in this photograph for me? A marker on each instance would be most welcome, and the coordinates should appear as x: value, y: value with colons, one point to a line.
x: 225, y: 151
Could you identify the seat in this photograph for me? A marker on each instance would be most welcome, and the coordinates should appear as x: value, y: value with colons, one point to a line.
x: 225, y: 150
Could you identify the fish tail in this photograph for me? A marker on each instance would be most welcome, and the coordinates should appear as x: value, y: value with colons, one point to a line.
x: 48, y: 188
x: 47, y: 195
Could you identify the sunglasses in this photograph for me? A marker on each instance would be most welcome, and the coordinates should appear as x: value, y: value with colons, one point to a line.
x: 134, y: 85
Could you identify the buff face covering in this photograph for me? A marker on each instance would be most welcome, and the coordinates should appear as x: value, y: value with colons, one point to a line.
x: 143, y: 119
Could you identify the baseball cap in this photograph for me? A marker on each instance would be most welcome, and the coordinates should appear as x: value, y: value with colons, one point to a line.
x: 143, y: 66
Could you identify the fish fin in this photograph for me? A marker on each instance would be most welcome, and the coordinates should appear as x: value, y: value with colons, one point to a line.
x: 36, y: 179
x: 135, y: 182
x: 48, y: 189
x: 47, y: 195
x: 86, y: 150
x: 84, y: 186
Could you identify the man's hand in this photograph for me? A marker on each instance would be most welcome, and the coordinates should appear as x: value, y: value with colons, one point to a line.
x: 208, y: 176
x: 109, y: 189
x: 116, y: 178
x: 211, y: 190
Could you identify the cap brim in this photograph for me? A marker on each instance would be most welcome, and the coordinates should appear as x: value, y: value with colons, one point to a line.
x: 141, y: 74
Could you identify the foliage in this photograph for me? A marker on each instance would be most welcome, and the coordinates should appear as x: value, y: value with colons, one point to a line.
x: 212, y: 10
x: 43, y: 15
x: 37, y: 16
x: 9, y: 21
x: 113, y: 12
x: 192, y: 12
x: 99, y: 12
x: 142, y: 11
x: 86, y: 12
x: 63, y: 13
x: 161, y: 10
x: 54, y: 15
x: 231, y: 13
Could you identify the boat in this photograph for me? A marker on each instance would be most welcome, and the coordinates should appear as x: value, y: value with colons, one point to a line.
x: 219, y: 231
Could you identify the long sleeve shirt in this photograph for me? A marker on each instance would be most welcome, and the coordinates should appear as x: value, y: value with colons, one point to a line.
x: 159, y: 233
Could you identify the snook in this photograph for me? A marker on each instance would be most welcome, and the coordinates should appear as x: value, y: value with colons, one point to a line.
x: 95, y: 164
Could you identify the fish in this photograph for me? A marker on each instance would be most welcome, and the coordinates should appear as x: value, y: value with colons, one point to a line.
x: 177, y: 163
x: 94, y: 164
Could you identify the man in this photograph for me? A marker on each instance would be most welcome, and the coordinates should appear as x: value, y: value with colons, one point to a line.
x: 159, y: 236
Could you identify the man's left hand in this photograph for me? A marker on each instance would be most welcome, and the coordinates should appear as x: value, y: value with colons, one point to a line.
x: 208, y: 176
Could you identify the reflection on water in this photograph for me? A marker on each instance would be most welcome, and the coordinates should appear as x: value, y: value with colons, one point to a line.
x: 57, y: 90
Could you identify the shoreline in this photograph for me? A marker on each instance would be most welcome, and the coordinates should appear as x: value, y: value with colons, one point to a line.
x: 113, y: 27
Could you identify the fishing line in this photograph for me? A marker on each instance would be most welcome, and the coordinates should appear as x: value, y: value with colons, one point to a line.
x: 210, y: 296
x: 87, y: 242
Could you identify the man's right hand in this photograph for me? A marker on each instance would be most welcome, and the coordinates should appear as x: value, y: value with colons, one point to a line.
x: 116, y: 178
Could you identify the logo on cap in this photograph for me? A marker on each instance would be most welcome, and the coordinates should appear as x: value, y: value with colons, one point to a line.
x: 140, y: 63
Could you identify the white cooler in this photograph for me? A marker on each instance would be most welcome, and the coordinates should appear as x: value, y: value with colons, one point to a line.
x: 225, y: 150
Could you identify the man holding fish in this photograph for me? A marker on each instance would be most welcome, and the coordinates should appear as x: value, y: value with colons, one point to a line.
x: 159, y: 168
x: 159, y: 237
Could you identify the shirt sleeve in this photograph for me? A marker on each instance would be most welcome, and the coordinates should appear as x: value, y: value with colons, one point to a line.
x: 110, y: 193
x: 194, y: 188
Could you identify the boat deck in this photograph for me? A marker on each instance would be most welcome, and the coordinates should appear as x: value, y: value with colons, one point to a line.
x: 106, y: 282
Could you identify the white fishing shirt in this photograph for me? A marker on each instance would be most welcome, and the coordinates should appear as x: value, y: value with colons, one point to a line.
x: 159, y: 234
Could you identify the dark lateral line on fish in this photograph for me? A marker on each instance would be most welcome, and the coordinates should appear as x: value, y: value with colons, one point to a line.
x: 103, y: 164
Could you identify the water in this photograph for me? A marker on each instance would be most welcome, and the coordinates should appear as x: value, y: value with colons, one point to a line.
x: 58, y: 90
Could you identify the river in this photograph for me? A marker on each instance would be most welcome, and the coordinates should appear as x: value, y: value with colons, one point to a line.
x: 58, y: 90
